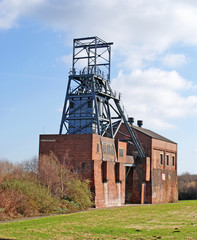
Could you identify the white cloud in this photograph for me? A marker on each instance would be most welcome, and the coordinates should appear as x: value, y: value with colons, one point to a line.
x: 174, y: 60
x: 144, y: 23
x: 12, y: 10
x: 140, y: 29
x: 155, y: 96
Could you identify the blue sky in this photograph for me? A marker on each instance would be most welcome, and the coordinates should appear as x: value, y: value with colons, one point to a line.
x: 154, y: 63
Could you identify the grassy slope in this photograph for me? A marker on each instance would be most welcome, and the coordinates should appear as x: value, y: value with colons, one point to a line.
x: 169, y: 221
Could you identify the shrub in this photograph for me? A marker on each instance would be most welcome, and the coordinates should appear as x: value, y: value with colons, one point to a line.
x: 15, y: 204
x: 32, y: 198
x: 78, y: 191
x: 64, y: 183
x: 25, y: 191
x: 49, y: 174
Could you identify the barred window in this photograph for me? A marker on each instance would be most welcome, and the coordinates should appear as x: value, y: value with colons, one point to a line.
x: 167, y: 160
x: 173, y: 162
x: 161, y: 158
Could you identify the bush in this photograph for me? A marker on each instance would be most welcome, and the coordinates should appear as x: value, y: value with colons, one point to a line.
x: 15, y: 204
x: 78, y: 191
x: 31, y: 198
x: 64, y: 183
x: 25, y: 191
x: 50, y: 174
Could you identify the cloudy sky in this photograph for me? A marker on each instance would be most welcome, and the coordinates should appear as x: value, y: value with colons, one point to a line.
x: 154, y: 61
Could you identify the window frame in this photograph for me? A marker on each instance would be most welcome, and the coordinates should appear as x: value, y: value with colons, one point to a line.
x: 167, y: 160
x: 161, y: 158
x: 173, y: 161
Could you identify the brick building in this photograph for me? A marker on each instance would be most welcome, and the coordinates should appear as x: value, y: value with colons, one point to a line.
x: 124, y: 163
x: 117, y: 175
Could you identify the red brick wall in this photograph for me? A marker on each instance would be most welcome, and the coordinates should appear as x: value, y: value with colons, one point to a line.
x: 164, y: 177
x: 109, y: 193
x: 164, y: 186
x: 141, y: 172
x: 73, y: 150
x: 86, y: 152
x: 147, y: 175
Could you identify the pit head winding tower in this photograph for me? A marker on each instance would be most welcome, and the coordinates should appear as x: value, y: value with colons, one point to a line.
x: 91, y: 106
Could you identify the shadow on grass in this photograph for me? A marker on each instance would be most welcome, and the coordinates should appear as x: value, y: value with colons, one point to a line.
x: 7, y: 239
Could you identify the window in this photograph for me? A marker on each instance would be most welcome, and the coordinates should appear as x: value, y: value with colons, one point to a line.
x: 121, y: 152
x: 161, y: 158
x: 97, y: 148
x: 167, y: 160
x: 173, y: 162
x: 117, y: 172
x: 104, y: 171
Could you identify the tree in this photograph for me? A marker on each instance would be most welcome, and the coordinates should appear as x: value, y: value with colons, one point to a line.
x: 187, y: 185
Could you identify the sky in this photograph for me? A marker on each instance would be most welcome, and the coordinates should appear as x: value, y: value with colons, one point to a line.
x: 154, y: 59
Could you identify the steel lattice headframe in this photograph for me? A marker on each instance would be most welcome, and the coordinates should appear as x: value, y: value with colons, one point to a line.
x: 91, y: 106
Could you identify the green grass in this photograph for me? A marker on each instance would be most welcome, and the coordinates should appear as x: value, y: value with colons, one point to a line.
x: 167, y: 221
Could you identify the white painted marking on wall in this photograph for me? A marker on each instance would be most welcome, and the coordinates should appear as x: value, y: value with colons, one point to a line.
x: 154, y: 195
x: 163, y: 176
x: 106, y: 194
x: 119, y: 194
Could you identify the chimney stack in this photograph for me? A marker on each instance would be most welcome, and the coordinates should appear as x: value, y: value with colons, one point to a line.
x: 131, y: 120
x: 139, y: 123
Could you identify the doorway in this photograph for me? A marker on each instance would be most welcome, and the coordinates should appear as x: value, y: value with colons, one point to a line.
x: 128, y: 184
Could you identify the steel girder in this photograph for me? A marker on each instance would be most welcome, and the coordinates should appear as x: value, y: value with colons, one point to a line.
x: 91, y: 106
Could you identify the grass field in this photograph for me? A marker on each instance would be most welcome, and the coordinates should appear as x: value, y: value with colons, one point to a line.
x: 167, y: 221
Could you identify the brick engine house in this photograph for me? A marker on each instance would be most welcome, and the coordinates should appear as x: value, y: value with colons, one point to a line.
x: 124, y: 163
